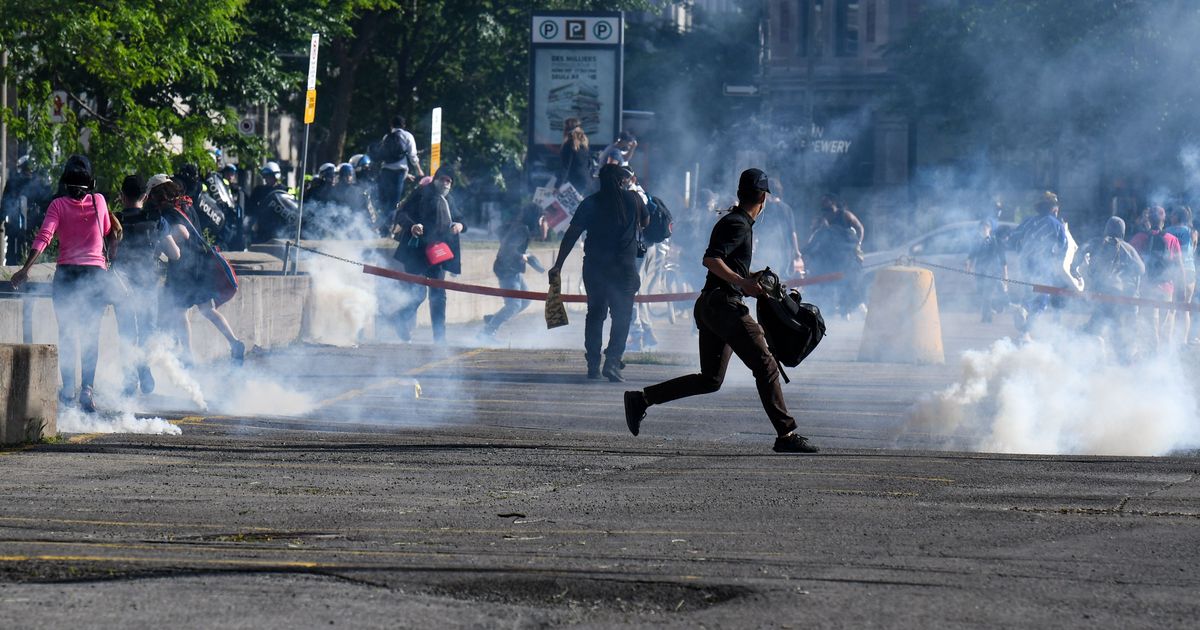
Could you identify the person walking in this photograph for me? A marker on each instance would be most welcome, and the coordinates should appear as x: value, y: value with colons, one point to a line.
x: 1041, y: 245
x: 137, y: 265
x: 1110, y: 266
x: 610, y: 267
x: 397, y: 155
x: 80, y: 220
x: 1163, y: 256
x: 187, y: 284
x: 1181, y: 228
x: 576, y: 157
x: 726, y: 326
x: 427, y: 222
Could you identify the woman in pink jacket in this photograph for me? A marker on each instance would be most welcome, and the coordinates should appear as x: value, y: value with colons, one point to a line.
x: 79, y: 218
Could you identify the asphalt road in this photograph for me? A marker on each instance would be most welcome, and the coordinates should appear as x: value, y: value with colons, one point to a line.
x: 509, y: 494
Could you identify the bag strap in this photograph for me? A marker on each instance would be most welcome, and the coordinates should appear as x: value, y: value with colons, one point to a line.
x: 204, y: 246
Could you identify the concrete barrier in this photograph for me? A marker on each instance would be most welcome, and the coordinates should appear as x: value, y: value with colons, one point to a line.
x: 28, y: 392
x: 272, y: 310
x: 903, y: 323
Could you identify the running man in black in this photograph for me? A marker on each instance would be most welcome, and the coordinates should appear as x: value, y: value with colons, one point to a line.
x: 726, y: 326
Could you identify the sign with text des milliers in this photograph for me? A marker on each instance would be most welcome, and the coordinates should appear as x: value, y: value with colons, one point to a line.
x: 576, y: 69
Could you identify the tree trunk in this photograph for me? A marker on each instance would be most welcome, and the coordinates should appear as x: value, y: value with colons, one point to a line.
x: 348, y: 55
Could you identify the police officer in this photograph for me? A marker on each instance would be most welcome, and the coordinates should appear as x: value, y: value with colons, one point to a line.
x: 725, y: 324
x: 610, y: 265
x: 266, y: 222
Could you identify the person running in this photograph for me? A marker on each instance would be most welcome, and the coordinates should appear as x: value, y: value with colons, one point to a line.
x: 726, y: 326
x: 187, y: 284
x: 138, y: 266
x: 512, y: 258
x: 80, y: 220
x: 610, y: 266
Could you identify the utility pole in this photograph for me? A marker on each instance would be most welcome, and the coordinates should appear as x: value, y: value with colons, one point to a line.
x: 3, y: 124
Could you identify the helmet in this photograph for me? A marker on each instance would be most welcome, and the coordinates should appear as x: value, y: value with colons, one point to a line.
x: 345, y: 171
x: 271, y: 168
x: 229, y: 169
x: 25, y: 162
x: 326, y: 171
x: 360, y: 162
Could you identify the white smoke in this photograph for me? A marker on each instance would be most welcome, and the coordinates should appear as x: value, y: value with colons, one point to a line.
x: 73, y: 420
x: 259, y: 395
x: 1063, y: 393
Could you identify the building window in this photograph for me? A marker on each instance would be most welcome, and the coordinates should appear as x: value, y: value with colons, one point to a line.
x: 869, y: 36
x: 846, y: 28
x: 801, y: 26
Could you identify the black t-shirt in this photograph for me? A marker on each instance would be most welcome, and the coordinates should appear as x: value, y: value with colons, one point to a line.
x: 611, y: 234
x: 732, y: 241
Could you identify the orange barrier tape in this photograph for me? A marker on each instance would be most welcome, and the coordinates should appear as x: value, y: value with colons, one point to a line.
x: 535, y: 295
x: 1115, y: 299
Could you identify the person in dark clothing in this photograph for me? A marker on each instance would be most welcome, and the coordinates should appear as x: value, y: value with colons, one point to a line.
x: 511, y: 260
x: 185, y: 284
x: 987, y: 258
x: 267, y: 221
x: 429, y: 220
x: 610, y: 265
x: 1109, y: 265
x: 138, y: 266
x: 726, y: 326
x: 576, y: 157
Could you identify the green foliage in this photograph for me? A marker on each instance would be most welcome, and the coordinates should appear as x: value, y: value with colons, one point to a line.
x: 138, y: 74
x: 154, y: 83
x: 1028, y: 73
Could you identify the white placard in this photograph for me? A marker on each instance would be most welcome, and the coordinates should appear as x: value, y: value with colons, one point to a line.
x: 312, y: 61
x: 435, y: 134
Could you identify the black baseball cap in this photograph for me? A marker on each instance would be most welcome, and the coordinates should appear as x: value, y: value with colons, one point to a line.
x: 754, y: 179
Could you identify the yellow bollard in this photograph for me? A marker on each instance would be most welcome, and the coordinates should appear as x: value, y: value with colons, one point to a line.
x: 903, y: 324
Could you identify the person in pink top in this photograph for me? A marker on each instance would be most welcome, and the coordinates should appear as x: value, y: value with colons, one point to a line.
x: 1164, y: 267
x: 79, y: 218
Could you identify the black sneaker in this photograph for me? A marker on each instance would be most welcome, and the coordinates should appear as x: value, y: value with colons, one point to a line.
x: 612, y: 371
x: 635, y: 410
x: 85, y: 400
x: 792, y: 443
x: 237, y: 351
x: 146, y: 377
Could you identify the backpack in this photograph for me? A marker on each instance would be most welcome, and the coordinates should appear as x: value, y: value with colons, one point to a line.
x: 793, y: 328
x: 212, y: 270
x: 660, y: 225
x: 1156, y: 257
x: 391, y: 148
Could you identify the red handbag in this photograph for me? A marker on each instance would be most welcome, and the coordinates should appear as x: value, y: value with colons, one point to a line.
x: 437, y: 253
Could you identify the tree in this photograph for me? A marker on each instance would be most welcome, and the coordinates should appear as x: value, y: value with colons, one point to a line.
x: 139, y: 74
x: 1089, y: 78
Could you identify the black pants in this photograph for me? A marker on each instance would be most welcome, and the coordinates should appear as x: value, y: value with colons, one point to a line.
x: 726, y: 328
x: 391, y: 189
x: 80, y: 295
x: 406, y: 317
x: 610, y: 290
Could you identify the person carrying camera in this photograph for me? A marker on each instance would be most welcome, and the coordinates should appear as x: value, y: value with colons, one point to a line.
x: 726, y: 326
